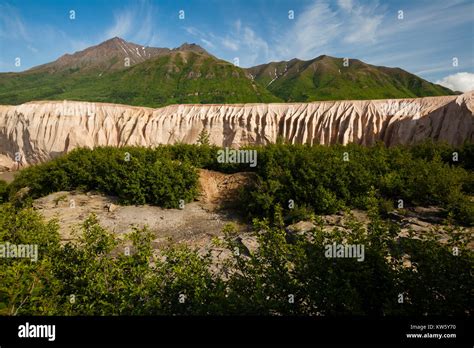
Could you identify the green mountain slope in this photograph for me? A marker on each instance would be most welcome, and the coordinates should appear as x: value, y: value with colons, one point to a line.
x: 187, y: 74
x: 117, y: 71
x: 326, y: 78
x: 179, y: 77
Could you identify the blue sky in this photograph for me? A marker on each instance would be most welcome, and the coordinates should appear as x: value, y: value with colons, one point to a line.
x: 424, y: 42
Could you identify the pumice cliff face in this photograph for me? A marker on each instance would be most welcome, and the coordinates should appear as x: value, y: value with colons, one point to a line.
x: 38, y: 131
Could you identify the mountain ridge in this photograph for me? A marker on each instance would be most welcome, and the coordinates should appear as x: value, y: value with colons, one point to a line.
x: 321, y: 78
x: 118, y: 71
x: 92, y: 57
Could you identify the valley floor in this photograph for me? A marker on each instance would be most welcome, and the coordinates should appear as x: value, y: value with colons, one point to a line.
x: 199, y: 222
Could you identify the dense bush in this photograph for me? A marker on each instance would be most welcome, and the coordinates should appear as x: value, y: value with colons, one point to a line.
x: 95, y: 276
x: 319, y: 177
x: 24, y: 283
x: 461, y: 155
x: 333, y: 286
x: 135, y: 175
x: 323, y: 179
x: 3, y: 191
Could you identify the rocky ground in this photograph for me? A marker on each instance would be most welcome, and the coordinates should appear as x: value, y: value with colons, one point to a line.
x: 195, y: 224
x: 198, y: 222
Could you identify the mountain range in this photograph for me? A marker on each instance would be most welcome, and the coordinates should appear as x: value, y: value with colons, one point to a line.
x: 117, y: 71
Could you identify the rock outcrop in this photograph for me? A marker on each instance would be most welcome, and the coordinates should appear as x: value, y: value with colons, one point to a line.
x: 38, y: 131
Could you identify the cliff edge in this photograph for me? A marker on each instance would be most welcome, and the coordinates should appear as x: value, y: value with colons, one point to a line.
x: 38, y: 131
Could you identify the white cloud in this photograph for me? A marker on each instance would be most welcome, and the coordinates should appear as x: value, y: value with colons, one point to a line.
x: 238, y: 25
x: 145, y: 31
x: 322, y: 27
x: 318, y: 29
x: 363, y: 23
x: 193, y: 31
x: 206, y: 38
x: 314, y: 29
x: 230, y: 44
x: 35, y: 43
x: 462, y: 82
x: 249, y: 46
x: 438, y: 16
x: 32, y: 49
x: 257, y: 46
x: 11, y: 24
x: 366, y: 30
x: 434, y: 69
x: 345, y: 5
x: 122, y: 25
x: 135, y: 24
x: 207, y: 43
x: 241, y: 39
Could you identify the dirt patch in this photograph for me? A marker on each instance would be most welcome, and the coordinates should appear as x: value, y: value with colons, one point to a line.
x: 221, y: 191
x: 195, y: 224
x: 7, y: 176
x: 192, y: 225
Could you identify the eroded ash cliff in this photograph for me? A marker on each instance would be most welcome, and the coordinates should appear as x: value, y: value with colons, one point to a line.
x: 38, y: 131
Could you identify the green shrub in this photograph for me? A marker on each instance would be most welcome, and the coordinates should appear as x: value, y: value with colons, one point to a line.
x: 318, y: 177
x: 134, y: 175
x: 323, y: 178
x: 3, y: 191
x: 94, y: 275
